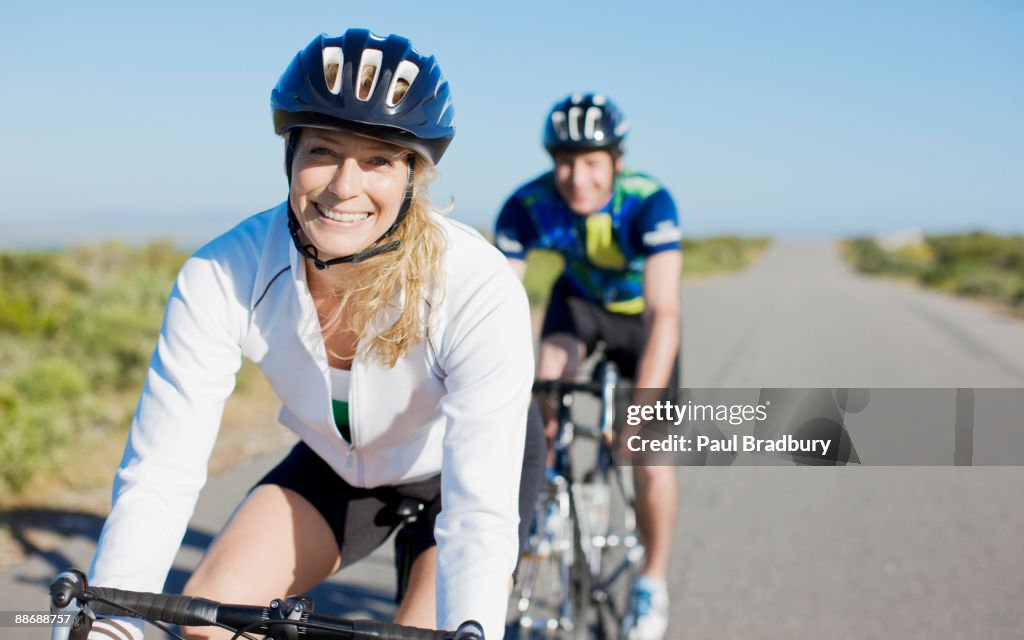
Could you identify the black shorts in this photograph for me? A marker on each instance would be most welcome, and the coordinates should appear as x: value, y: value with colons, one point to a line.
x: 622, y: 334
x: 362, y: 519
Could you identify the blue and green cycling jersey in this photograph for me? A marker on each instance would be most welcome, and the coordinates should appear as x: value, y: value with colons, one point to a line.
x: 604, y: 251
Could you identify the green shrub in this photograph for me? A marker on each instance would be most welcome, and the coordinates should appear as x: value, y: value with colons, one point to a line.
x: 869, y: 257
x: 50, y: 380
x: 1002, y: 286
x: 997, y: 252
x: 34, y: 438
x: 76, y: 328
x: 720, y: 254
x: 976, y: 264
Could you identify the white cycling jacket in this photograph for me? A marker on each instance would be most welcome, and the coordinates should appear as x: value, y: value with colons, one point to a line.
x: 456, y: 404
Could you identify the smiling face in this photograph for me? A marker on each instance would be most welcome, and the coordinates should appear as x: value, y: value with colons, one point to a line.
x: 346, y: 189
x: 585, y: 179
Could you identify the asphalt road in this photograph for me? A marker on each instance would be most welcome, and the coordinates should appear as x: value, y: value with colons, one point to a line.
x: 771, y: 551
x: 848, y: 552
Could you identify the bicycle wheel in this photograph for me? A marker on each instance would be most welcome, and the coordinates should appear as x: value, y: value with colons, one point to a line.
x: 580, y: 581
x: 615, y: 550
x: 542, y: 604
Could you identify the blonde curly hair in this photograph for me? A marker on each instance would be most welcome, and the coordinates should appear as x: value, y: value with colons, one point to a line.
x: 399, y: 280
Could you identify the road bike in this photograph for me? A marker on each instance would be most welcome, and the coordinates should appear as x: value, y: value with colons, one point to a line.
x: 583, y: 548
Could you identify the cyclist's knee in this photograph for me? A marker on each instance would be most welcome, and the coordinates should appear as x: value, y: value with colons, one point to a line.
x: 204, y: 583
x: 654, y: 477
x: 560, y: 356
x: 214, y: 586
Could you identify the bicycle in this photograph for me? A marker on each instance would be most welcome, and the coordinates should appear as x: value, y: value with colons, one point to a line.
x: 73, y: 598
x: 584, y: 534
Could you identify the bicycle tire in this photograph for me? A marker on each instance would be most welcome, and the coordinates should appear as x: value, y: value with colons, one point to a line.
x: 580, y: 578
x: 539, y: 580
x: 616, y: 553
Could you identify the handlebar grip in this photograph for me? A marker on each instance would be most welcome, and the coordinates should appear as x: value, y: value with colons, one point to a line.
x: 174, y: 609
x: 370, y: 629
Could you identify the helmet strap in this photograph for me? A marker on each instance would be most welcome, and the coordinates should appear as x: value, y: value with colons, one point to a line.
x: 309, y: 250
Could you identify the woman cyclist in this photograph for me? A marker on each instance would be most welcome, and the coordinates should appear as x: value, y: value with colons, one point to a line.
x: 377, y: 322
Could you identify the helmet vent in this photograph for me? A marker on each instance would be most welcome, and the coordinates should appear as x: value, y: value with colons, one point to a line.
x: 332, y: 69
x: 400, y: 83
x: 369, y: 70
x: 590, y: 130
x: 575, y: 113
x: 558, y: 122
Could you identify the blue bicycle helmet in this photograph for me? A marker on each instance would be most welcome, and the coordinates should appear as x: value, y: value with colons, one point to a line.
x: 362, y: 82
x: 585, y: 122
x: 379, y: 87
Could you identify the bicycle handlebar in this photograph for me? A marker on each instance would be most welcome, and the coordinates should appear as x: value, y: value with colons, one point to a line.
x: 71, y: 593
x: 562, y: 387
x: 607, y: 380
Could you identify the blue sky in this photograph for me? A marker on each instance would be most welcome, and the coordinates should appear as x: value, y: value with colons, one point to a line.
x: 788, y: 118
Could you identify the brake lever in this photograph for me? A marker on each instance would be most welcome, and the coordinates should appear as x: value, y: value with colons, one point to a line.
x: 65, y: 592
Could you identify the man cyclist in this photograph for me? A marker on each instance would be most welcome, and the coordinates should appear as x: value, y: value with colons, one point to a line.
x: 618, y: 231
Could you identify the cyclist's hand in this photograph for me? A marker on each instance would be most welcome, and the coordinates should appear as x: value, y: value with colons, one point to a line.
x: 638, y: 422
x: 548, y: 405
x: 609, y: 438
x: 116, y: 629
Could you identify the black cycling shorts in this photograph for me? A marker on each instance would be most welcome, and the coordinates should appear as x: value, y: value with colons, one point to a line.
x: 622, y: 334
x: 362, y: 518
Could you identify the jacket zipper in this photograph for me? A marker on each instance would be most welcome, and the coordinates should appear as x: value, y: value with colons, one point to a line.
x: 321, y: 354
x: 352, y: 453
